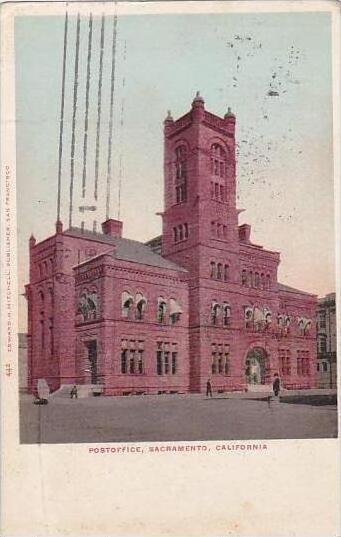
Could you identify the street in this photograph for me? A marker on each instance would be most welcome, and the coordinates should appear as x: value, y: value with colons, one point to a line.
x: 171, y: 417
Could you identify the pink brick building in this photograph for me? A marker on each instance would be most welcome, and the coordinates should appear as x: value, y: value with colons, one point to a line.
x: 199, y: 301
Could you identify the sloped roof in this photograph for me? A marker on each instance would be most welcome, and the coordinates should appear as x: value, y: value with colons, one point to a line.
x: 127, y: 249
x: 283, y: 287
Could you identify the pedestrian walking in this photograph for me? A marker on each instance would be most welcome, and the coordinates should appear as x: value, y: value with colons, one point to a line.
x: 74, y: 392
x: 209, y: 388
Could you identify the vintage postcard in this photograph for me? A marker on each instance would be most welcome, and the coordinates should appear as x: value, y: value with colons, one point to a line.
x: 170, y: 268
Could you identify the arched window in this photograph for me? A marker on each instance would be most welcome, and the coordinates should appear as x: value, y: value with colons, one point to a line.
x: 50, y: 298
x: 226, y: 314
x: 226, y: 273
x: 87, y: 304
x: 219, y: 271
x: 175, y: 234
x: 141, y: 303
x: 181, y: 233
x: 262, y: 279
x: 175, y: 310
x: 181, y: 174
x: 41, y: 298
x: 127, y: 302
x: 161, y: 309
x: 215, y: 309
x: 186, y: 231
x: 244, y: 277
x: 213, y: 270
x: 218, y: 160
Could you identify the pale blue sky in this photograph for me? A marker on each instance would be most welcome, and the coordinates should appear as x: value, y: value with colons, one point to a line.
x: 285, y: 161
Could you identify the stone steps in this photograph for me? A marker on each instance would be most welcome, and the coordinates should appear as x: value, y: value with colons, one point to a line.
x: 83, y: 390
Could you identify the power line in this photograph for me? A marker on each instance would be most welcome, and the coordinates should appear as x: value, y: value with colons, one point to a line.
x: 99, y: 106
x: 61, y: 125
x: 86, y: 120
x: 121, y: 136
x: 112, y: 89
x: 75, y: 94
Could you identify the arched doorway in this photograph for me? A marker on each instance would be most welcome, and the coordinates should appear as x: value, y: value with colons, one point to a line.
x: 256, y: 366
x: 92, y: 357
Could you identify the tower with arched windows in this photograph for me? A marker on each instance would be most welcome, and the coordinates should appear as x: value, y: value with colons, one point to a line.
x: 200, y: 181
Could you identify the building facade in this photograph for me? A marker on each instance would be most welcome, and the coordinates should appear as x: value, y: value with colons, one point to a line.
x: 199, y: 301
x: 326, y: 342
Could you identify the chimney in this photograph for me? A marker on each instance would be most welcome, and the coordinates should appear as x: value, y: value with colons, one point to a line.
x: 112, y: 227
x: 244, y: 232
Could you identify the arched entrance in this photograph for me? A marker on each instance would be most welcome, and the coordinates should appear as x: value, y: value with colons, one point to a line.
x: 256, y: 366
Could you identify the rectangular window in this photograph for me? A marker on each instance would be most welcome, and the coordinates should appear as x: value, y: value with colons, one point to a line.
x: 322, y: 320
x: 214, y: 363
x: 166, y: 359
x: 166, y: 362
x: 132, y: 357
x: 42, y: 334
x: 227, y: 364
x: 51, y: 336
x: 220, y: 363
x: 132, y: 362
x: 323, y: 345
x: 140, y: 362
x: 124, y: 361
x: 159, y: 362
x: 174, y: 362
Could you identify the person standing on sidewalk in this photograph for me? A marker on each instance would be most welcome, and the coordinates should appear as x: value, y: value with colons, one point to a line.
x: 276, y: 385
x: 209, y: 388
x: 74, y: 392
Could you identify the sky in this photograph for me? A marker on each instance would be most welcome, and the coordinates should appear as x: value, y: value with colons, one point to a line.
x: 273, y: 70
